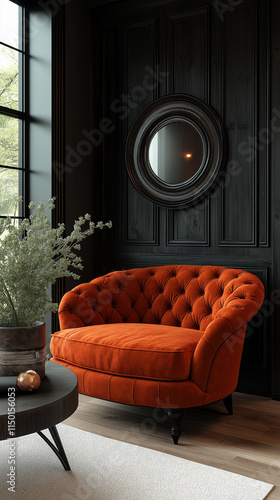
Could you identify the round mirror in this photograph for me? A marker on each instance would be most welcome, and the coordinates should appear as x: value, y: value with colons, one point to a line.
x: 174, y: 150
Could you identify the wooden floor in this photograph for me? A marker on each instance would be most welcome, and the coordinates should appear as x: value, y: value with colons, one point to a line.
x: 247, y: 443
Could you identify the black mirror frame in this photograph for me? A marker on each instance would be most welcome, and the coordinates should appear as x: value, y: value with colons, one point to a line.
x: 154, y: 116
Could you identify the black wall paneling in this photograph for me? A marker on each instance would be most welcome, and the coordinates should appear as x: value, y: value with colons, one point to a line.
x: 240, y: 118
x: 256, y: 346
x: 58, y: 145
x: 188, y: 66
x: 188, y: 53
x: 140, y: 56
x: 275, y: 209
x: 223, y: 55
x: 184, y: 226
x: 104, y: 153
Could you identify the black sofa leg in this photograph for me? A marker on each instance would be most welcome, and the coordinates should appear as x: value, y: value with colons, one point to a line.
x: 175, y: 417
x: 228, y: 404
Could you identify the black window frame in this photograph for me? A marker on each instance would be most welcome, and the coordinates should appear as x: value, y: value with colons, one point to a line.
x: 23, y: 114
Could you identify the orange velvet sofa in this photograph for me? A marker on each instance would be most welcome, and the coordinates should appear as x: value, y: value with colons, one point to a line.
x: 167, y: 337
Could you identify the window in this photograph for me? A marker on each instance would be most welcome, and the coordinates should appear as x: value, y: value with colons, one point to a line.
x: 13, y: 110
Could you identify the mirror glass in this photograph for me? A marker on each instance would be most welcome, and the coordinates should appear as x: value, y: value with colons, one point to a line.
x: 176, y: 152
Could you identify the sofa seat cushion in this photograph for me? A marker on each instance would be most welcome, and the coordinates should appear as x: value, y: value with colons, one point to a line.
x: 139, y: 350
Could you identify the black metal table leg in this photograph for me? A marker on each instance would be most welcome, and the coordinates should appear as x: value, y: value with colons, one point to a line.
x: 58, y: 449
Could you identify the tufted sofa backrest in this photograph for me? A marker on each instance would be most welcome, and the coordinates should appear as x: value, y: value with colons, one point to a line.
x: 183, y: 295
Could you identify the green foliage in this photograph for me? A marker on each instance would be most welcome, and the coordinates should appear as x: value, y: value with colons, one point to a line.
x: 33, y: 255
x: 9, y: 78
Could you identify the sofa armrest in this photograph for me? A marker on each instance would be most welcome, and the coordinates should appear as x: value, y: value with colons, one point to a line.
x: 75, y: 310
x: 218, y: 353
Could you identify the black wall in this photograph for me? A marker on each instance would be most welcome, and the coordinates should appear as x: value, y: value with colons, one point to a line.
x: 227, y: 54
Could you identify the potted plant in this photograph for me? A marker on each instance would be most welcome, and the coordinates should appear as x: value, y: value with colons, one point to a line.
x: 33, y: 255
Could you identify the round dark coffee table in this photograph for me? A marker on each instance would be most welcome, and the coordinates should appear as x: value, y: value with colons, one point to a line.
x: 54, y: 401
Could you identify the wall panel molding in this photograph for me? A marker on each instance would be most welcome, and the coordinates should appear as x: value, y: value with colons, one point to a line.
x: 104, y: 157
x: 183, y: 226
x: 257, y: 350
x: 141, y: 83
x: 189, y: 69
x: 240, y: 118
x: 189, y: 73
x: 58, y: 139
x: 264, y: 122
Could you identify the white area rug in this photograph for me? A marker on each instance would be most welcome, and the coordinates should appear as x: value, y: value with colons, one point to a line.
x: 106, y: 469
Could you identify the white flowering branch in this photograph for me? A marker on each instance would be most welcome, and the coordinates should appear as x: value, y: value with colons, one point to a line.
x: 34, y: 255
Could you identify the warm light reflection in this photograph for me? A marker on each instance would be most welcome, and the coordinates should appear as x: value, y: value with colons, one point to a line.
x: 188, y: 155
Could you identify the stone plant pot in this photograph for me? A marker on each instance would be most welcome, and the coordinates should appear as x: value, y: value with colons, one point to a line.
x: 21, y: 349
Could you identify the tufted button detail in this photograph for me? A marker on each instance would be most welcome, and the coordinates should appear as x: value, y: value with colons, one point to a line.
x: 154, y: 290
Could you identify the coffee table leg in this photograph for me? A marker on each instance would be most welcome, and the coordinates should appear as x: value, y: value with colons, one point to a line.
x: 58, y: 449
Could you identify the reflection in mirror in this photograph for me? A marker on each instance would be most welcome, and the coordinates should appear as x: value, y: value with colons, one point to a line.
x: 176, y: 152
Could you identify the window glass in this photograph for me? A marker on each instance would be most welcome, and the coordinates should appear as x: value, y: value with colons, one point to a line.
x: 9, y: 141
x: 12, y: 108
x: 9, y: 23
x: 9, y: 77
x: 10, y: 180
